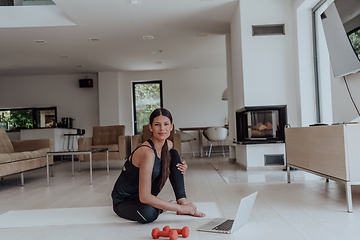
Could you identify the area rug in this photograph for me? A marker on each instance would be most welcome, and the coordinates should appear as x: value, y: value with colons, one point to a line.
x: 86, y: 215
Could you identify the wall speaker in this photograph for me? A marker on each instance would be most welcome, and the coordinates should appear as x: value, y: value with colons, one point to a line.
x: 86, y: 83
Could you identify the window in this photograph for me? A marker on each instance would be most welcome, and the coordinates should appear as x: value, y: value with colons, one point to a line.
x: 354, y: 37
x: 14, y: 119
x: 25, y: 2
x: 147, y: 96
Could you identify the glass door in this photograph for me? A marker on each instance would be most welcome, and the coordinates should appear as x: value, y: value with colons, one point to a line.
x: 147, y: 96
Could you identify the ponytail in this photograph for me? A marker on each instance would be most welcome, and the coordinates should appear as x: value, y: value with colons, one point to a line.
x: 165, y: 164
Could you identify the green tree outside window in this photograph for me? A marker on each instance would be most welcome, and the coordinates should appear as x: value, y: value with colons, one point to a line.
x: 147, y: 99
x: 355, y: 41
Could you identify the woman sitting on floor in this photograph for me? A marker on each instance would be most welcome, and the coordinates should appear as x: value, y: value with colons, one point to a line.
x: 144, y: 175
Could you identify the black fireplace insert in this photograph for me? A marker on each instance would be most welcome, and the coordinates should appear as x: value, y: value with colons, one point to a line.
x: 261, y: 124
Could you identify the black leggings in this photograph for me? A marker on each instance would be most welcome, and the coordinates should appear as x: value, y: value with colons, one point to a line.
x: 133, y: 209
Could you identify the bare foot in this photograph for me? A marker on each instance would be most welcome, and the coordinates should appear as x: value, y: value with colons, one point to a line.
x: 183, y: 201
x: 199, y: 214
x: 196, y: 214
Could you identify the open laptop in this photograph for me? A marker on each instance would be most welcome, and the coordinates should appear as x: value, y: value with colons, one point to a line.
x: 223, y: 225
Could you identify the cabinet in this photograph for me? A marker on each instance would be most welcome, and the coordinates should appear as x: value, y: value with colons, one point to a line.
x: 330, y: 151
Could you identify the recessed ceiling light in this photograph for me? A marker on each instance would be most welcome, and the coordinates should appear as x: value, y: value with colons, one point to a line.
x: 94, y: 40
x: 63, y: 56
x: 201, y: 34
x: 148, y: 37
x: 40, y: 41
x: 134, y: 2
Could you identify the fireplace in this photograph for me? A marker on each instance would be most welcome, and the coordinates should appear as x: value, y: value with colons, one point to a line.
x: 261, y: 124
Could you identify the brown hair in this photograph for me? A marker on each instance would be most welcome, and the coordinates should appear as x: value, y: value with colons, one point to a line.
x: 165, y: 163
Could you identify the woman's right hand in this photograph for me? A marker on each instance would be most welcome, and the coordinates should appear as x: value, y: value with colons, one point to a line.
x: 182, y: 167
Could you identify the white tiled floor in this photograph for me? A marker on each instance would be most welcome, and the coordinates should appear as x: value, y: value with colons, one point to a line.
x: 308, y: 208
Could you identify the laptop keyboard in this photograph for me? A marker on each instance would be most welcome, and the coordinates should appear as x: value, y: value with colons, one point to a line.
x: 224, y: 226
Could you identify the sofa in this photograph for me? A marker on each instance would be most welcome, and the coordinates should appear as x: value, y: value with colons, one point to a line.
x: 138, y: 139
x: 111, y: 137
x: 20, y: 156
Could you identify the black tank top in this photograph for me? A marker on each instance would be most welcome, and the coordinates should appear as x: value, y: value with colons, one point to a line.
x: 127, y: 185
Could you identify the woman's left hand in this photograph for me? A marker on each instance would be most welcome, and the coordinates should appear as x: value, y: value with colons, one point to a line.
x: 182, y: 167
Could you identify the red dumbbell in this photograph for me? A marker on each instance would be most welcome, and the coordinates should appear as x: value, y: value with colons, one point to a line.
x: 156, y: 233
x: 184, y: 231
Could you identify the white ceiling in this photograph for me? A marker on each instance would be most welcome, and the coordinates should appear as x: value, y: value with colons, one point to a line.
x: 120, y: 27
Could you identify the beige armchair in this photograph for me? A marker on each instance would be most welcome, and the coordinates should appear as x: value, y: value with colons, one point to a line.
x: 136, y: 140
x: 111, y: 137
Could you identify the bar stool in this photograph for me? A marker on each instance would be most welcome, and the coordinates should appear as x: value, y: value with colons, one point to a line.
x: 74, y: 137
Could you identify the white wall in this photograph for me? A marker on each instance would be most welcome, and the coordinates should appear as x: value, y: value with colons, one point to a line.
x: 336, y: 102
x: 193, y: 96
x: 343, y: 108
x: 125, y: 102
x: 258, y: 154
x: 230, y: 101
x: 237, y: 101
x: 268, y: 61
x: 268, y: 73
x: 324, y: 69
x: 336, y: 105
x: 305, y: 78
x: 62, y: 91
x: 279, y: 68
x: 284, y: 66
x: 237, y: 61
x: 109, y: 102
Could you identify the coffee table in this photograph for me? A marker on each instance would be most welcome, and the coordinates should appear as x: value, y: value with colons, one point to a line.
x: 73, y: 153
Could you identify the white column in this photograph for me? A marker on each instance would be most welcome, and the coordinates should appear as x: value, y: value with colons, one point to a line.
x: 230, y: 101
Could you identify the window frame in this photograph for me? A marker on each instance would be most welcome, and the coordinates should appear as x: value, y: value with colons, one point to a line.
x: 134, y: 83
x: 34, y: 116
